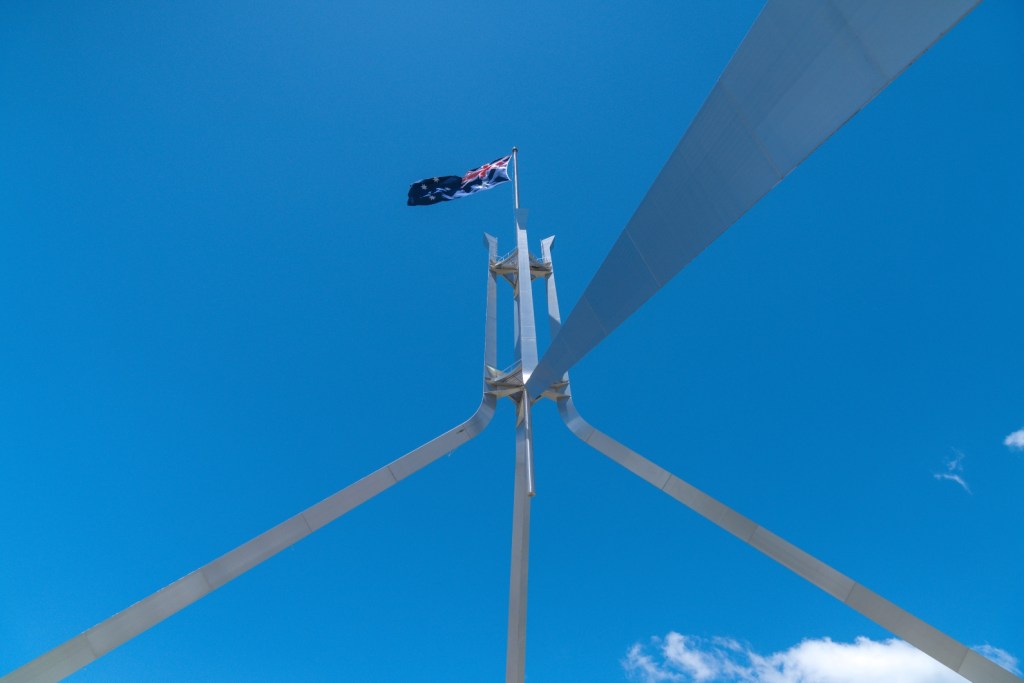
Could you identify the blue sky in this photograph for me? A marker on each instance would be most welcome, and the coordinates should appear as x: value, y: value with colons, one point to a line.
x: 217, y: 310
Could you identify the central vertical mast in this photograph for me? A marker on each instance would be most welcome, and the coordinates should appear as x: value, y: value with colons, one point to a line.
x: 526, y: 355
x: 527, y: 341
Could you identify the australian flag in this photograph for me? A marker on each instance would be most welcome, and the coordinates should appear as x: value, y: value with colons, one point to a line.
x: 442, y: 188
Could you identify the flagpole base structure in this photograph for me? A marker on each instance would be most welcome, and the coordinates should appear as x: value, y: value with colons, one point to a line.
x: 519, y: 269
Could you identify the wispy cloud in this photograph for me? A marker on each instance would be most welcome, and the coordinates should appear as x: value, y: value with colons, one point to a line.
x: 1015, y: 440
x: 689, y: 659
x: 954, y: 470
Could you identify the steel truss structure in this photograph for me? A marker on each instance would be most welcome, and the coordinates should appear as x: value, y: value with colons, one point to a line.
x: 517, y: 268
x: 802, y: 71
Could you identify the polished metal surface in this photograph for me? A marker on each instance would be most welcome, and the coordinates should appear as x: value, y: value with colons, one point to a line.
x: 515, y: 652
x: 491, y: 319
x: 526, y: 342
x: 85, y: 648
x: 523, y: 490
x: 804, y: 69
x: 928, y: 639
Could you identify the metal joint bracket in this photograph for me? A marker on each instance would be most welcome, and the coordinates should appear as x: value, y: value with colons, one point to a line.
x: 508, y: 267
x: 508, y: 383
x: 556, y: 392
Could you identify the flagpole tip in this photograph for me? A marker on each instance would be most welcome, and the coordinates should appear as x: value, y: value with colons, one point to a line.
x: 515, y: 149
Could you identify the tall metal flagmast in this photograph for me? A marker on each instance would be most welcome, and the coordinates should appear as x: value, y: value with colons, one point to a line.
x: 526, y: 358
x: 519, y: 268
x: 824, y: 65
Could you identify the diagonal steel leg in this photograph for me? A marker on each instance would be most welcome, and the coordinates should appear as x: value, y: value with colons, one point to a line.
x: 85, y: 648
x: 928, y: 639
x: 89, y: 646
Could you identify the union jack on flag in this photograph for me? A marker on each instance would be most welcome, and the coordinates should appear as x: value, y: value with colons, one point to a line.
x: 443, y: 188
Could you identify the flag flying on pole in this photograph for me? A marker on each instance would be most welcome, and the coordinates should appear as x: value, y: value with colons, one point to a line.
x: 442, y: 188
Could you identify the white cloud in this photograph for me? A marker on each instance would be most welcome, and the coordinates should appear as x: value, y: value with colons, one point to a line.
x: 1015, y: 440
x: 641, y: 666
x: 953, y: 477
x: 954, y: 470
x: 694, y: 662
x: 690, y: 659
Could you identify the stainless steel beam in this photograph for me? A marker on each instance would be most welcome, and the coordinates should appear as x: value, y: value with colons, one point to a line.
x: 805, y: 68
x: 526, y: 350
x: 148, y: 612
x: 934, y: 643
x: 527, y: 341
x: 97, y: 641
x: 515, y: 653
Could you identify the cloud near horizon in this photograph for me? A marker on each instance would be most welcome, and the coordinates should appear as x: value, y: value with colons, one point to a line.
x: 1015, y: 441
x: 678, y: 658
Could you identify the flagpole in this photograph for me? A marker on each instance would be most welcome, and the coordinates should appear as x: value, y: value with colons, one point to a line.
x: 523, y: 489
x: 515, y: 176
x: 526, y: 338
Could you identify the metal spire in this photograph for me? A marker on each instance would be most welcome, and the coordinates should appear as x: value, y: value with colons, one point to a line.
x: 523, y: 491
x: 798, y: 76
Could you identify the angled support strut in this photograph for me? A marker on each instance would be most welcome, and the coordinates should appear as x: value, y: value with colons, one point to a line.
x: 64, y: 660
